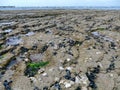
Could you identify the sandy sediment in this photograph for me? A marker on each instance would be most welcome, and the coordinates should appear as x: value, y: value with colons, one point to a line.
x: 60, y: 50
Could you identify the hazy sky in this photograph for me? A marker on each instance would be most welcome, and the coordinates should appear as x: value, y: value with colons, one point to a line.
x: 60, y: 2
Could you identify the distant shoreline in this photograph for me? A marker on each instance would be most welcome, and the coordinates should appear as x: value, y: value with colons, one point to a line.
x: 57, y: 7
x: 7, y: 6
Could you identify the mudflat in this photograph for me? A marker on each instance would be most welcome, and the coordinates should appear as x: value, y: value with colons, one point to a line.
x: 60, y: 50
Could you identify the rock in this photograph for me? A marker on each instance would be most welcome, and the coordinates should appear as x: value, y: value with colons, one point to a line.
x: 69, y: 68
x: 56, y: 79
x: 36, y: 57
x: 82, y: 80
x: 5, y: 60
x: 26, y: 59
x: 104, y: 80
x: 41, y: 70
x: 44, y: 74
x: 21, y: 83
x: 13, y: 41
x: 33, y: 79
x: 61, y: 68
x: 30, y: 34
x: 55, y: 47
x: 68, y: 59
x: 57, y: 86
x: 7, y: 85
x: 67, y: 85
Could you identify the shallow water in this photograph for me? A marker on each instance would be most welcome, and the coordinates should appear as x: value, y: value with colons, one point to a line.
x: 13, y: 41
x: 30, y: 34
x: 5, y: 23
x: 13, y: 62
x: 8, y: 31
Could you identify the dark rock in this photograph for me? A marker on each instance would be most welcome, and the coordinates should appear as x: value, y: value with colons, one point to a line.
x: 24, y: 49
x: 61, y: 45
x: 36, y: 88
x: 72, y: 79
x: 87, y: 38
x: 96, y: 69
x: 68, y: 74
x: 45, y: 88
x: 91, y: 76
x: 7, y: 85
x: 54, y: 53
x: 57, y: 86
x: 34, y: 47
x: 44, y: 48
x: 71, y: 42
x: 78, y: 88
x: 30, y: 72
x: 70, y: 53
x: 111, y: 67
x: 93, y: 85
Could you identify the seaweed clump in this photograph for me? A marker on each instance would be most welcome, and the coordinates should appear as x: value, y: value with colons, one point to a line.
x: 33, y: 67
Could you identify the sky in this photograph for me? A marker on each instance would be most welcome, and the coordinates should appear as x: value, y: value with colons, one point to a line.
x: 59, y: 2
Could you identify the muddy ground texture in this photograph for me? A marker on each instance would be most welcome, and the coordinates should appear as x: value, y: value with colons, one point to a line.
x: 60, y: 50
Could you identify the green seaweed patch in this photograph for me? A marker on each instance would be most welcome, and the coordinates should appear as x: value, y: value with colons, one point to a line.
x: 35, y: 65
x: 0, y: 46
x: 101, y: 29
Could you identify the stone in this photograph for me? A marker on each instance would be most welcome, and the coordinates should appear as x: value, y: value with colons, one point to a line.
x: 67, y: 85
x: 44, y: 74
x: 105, y: 82
x: 36, y: 57
x: 61, y: 68
x: 33, y: 79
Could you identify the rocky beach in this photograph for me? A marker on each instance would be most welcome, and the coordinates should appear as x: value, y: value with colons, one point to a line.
x: 60, y: 50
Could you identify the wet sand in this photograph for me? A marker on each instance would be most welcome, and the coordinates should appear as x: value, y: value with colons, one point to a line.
x: 60, y: 50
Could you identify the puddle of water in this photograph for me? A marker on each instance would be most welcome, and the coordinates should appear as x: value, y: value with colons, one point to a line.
x: 6, y: 23
x: 107, y: 39
x: 13, y: 41
x: 25, y: 14
x: 12, y: 63
x: 30, y: 34
x: 8, y: 31
x: 1, y: 36
x: 96, y: 34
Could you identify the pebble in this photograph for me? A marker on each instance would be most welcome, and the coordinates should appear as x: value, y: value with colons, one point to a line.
x: 77, y: 79
x: 69, y: 68
x: 61, y: 68
x: 7, y: 85
x: 98, y: 53
x: 100, y: 64
x: 26, y: 59
x: 55, y: 47
x: 51, y: 69
x: 72, y: 83
x: 62, y: 81
x: 56, y: 79
x: 68, y: 59
x: 67, y: 85
x: 33, y: 79
x: 111, y: 75
x: 84, y: 88
x: 44, y: 74
x: 41, y: 70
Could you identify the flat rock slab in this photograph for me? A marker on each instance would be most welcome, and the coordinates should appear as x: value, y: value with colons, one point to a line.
x: 105, y: 82
x: 22, y: 83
